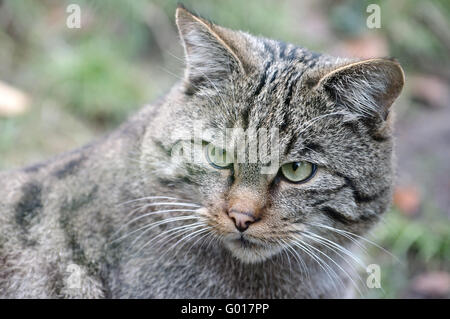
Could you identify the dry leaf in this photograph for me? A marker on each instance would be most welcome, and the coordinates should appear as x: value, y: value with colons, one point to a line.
x: 430, y: 91
x: 407, y: 199
x: 432, y: 285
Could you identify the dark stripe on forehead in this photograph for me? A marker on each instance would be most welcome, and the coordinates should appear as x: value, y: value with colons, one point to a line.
x: 262, y: 79
x: 282, y: 49
x: 315, y: 147
x: 291, y: 143
x: 290, y: 87
x: 292, y: 80
x: 245, y: 117
x: 310, y: 59
x: 268, y: 49
x: 292, y: 54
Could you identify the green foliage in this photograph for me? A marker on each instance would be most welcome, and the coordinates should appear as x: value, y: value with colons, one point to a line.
x: 95, y: 82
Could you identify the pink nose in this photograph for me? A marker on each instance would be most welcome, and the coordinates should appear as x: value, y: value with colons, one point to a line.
x: 242, y: 219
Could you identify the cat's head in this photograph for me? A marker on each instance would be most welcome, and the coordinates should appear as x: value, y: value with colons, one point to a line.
x: 324, y: 123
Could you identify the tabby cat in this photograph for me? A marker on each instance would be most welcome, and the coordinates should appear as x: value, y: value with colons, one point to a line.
x: 161, y: 209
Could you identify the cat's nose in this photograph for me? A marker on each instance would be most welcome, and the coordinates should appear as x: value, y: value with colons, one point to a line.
x: 245, y: 207
x: 242, y: 219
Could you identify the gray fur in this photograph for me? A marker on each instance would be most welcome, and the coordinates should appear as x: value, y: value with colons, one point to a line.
x: 83, y: 209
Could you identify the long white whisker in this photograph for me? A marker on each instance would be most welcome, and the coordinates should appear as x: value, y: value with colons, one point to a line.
x: 297, y: 257
x: 339, y: 266
x: 325, y: 263
x: 146, y: 198
x: 340, y: 255
x: 150, y: 214
x: 337, y: 246
x: 200, y: 238
x: 186, y: 237
x: 341, y: 231
x: 177, y: 230
x: 328, y: 270
x: 155, y: 224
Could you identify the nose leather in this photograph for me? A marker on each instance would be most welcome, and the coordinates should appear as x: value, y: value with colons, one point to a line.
x: 242, y: 219
x: 244, y: 207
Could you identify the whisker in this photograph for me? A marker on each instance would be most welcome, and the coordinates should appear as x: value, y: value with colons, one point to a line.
x: 155, y: 224
x: 339, y: 266
x: 177, y: 230
x: 145, y: 206
x: 341, y: 256
x: 146, y: 198
x: 341, y: 231
x: 297, y: 257
x: 186, y: 237
x: 200, y: 238
x: 288, y: 257
x: 328, y: 270
x: 150, y: 214
x: 337, y: 246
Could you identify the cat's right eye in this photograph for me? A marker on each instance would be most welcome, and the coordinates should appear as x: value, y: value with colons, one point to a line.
x: 298, y: 172
x: 218, y: 157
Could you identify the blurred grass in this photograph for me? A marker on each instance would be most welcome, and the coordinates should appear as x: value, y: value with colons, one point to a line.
x: 83, y: 82
x: 421, y: 245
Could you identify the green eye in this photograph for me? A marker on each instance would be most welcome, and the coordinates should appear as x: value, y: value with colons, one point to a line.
x: 218, y: 157
x: 297, y: 172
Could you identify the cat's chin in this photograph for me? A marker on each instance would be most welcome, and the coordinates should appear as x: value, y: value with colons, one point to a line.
x: 248, y: 251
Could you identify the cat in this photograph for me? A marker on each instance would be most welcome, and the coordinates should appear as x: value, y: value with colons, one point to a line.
x: 155, y: 210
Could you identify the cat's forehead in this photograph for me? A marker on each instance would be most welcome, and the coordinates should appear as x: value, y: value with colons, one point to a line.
x: 275, y: 96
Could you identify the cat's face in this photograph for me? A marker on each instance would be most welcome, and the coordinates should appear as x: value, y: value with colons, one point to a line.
x: 321, y: 122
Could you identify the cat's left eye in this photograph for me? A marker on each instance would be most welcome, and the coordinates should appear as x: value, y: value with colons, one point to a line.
x: 218, y: 157
x: 298, y: 172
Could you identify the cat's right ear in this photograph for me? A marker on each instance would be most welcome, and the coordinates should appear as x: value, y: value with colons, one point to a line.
x: 211, y: 51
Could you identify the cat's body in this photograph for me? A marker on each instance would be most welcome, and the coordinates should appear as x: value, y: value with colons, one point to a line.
x: 74, y: 226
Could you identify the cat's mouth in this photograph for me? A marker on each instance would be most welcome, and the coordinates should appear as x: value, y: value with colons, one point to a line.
x: 246, y: 242
x: 249, y: 249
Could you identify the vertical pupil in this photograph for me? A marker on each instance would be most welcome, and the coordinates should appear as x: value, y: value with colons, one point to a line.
x: 218, y: 155
x: 295, y: 165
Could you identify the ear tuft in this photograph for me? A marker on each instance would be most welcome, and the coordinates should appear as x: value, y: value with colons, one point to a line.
x: 367, y: 87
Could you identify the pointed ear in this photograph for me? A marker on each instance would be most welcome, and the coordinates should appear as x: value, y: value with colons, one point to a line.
x: 211, y: 51
x: 367, y: 87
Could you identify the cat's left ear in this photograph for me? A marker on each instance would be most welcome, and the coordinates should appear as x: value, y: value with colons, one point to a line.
x: 366, y: 87
x: 212, y: 52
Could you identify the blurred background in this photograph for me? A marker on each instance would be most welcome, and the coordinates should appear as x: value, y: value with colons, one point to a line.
x: 63, y: 87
